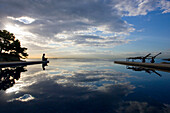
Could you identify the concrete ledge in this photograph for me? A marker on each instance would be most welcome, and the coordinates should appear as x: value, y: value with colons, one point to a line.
x: 6, y: 64
x: 158, y: 66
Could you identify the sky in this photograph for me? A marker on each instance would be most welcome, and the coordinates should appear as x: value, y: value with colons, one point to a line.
x: 89, y: 28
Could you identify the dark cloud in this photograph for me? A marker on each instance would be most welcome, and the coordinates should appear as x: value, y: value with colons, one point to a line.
x: 91, y: 37
x: 58, y: 16
x: 36, y: 47
x: 78, y: 21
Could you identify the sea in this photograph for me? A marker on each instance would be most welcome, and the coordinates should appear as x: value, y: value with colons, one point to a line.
x: 83, y: 86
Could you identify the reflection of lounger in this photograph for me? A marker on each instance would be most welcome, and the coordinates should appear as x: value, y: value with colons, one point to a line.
x: 147, y: 70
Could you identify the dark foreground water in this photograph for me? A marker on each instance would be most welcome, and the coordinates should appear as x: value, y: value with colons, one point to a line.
x: 83, y: 86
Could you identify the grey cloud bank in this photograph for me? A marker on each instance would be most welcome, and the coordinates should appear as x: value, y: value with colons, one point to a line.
x: 72, y: 22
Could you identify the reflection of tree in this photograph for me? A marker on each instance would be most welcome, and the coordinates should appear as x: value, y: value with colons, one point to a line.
x: 135, y: 68
x: 9, y: 75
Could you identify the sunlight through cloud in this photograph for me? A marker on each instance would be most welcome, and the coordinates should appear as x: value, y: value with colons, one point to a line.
x: 13, y: 28
x: 23, y: 19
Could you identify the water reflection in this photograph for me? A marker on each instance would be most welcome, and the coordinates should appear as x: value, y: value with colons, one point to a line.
x: 9, y: 75
x: 24, y: 98
x: 147, y: 70
x: 85, y: 86
x: 44, y: 65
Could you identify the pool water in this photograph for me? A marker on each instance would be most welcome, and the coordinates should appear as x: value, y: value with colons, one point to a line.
x: 83, y: 86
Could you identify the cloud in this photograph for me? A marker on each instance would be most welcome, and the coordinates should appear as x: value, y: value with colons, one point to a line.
x: 140, y: 7
x: 165, y: 6
x: 24, y: 98
x: 90, y: 78
x: 135, y: 7
x: 145, y: 107
x: 66, y: 17
x: 25, y: 20
x: 90, y: 23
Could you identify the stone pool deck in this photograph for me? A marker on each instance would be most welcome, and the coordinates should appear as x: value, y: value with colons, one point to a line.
x: 157, y: 66
x: 18, y: 63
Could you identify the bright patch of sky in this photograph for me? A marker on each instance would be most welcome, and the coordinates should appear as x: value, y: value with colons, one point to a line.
x: 25, y: 20
x: 90, y: 28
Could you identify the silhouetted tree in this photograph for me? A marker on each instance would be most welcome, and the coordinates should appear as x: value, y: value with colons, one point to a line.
x: 10, y: 45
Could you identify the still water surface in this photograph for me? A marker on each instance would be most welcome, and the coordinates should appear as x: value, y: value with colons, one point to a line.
x: 83, y: 86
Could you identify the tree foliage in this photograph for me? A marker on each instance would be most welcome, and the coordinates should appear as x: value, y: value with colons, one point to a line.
x: 10, y: 45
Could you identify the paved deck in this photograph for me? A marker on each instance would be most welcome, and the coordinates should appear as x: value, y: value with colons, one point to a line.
x: 157, y: 66
x: 18, y: 63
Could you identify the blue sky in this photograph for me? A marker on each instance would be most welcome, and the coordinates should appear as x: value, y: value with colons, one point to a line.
x: 152, y: 33
x: 89, y: 28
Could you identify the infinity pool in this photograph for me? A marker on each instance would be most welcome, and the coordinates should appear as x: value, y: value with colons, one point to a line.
x: 83, y: 86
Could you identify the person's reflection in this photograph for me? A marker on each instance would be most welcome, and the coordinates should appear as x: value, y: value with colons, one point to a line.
x: 9, y: 75
x: 43, y: 65
x: 134, y: 68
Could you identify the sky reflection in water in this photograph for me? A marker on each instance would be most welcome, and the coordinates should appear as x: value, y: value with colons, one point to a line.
x: 85, y: 86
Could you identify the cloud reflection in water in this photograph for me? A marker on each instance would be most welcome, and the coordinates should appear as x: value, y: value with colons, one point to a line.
x: 80, y: 86
x: 24, y: 98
